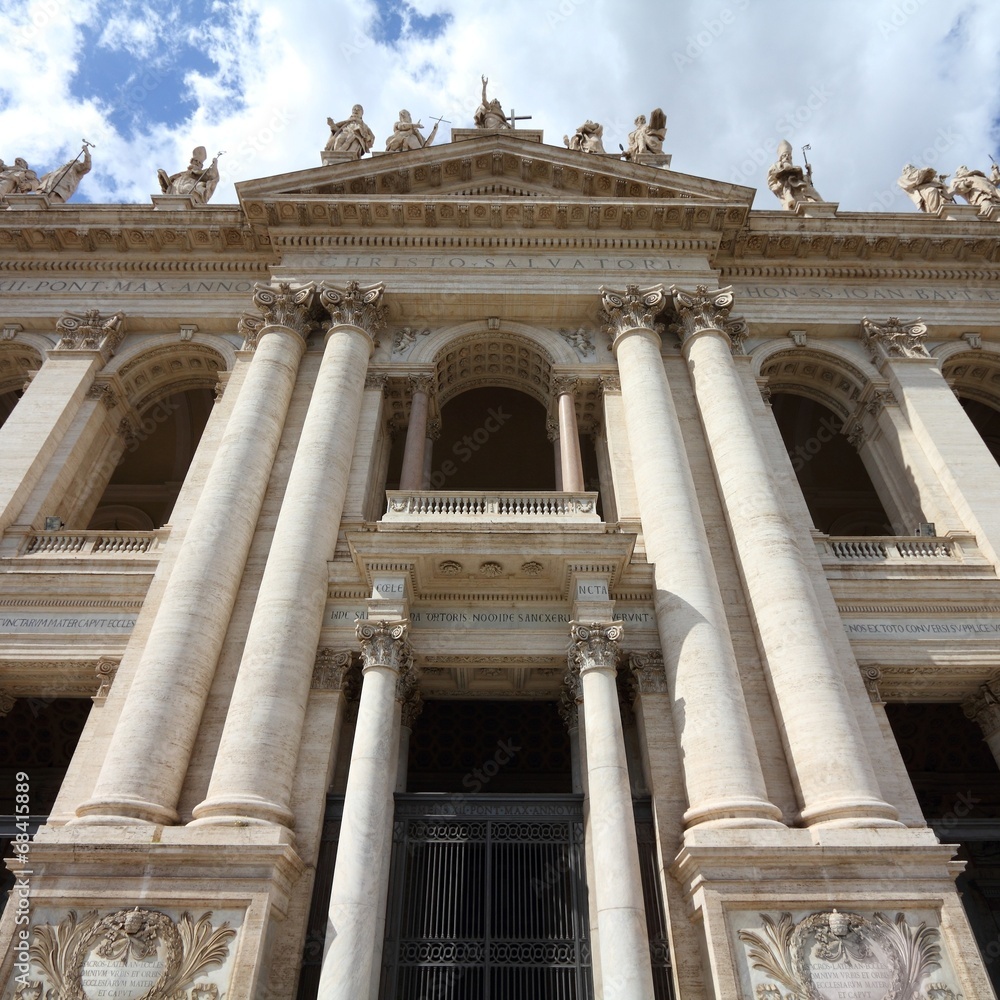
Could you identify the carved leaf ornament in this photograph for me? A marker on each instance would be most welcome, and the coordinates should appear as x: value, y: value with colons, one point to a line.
x: 182, y: 950
x: 830, y: 954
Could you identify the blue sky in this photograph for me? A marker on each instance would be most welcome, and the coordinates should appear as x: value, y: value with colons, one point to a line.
x: 868, y: 84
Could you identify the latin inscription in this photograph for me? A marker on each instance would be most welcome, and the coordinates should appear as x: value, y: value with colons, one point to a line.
x: 964, y: 628
x: 341, y: 615
x: 20, y: 623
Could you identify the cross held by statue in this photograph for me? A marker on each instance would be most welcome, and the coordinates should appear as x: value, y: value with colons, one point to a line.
x: 514, y: 118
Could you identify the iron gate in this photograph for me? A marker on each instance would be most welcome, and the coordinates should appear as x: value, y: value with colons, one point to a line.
x: 487, y: 900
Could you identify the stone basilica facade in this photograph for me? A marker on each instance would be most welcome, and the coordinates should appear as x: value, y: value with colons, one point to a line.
x: 492, y: 570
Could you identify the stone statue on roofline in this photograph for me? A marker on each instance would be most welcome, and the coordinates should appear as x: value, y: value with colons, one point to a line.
x: 197, y: 182
x: 587, y: 138
x: 647, y: 137
x: 975, y: 187
x: 17, y: 179
x: 59, y: 185
x: 925, y: 187
x: 352, y: 135
x: 490, y: 114
x: 406, y: 134
x: 791, y: 185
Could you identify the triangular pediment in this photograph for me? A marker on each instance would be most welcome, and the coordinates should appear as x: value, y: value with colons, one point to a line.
x: 493, y: 182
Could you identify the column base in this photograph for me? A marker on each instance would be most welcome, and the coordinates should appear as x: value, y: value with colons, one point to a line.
x: 241, y: 810
x: 124, y: 811
x: 734, y: 813
x: 847, y: 813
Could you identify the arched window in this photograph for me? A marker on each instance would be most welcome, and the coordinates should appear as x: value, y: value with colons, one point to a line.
x: 835, y: 484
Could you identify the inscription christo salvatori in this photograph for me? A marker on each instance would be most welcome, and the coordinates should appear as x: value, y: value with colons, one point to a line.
x: 130, y: 954
x: 834, y: 955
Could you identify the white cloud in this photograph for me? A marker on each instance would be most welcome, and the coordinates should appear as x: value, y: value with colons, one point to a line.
x: 870, y: 85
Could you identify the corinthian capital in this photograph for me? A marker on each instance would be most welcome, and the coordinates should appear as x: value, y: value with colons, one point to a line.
x: 634, y: 309
x: 594, y: 646
x: 894, y: 339
x: 984, y: 706
x: 91, y: 332
x: 285, y: 306
x: 384, y: 644
x: 355, y: 305
x: 703, y: 309
x: 647, y: 670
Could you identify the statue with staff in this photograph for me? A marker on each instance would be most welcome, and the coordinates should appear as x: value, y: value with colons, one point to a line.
x: 198, y: 182
x: 59, y: 185
x: 406, y: 134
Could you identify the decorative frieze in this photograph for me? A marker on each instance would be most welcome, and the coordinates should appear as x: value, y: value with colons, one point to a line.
x: 285, y: 306
x: 633, y: 309
x: 705, y: 309
x: 91, y: 332
x: 356, y: 305
x: 893, y: 339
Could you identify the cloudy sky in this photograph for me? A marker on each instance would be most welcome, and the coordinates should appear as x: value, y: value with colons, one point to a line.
x: 868, y: 84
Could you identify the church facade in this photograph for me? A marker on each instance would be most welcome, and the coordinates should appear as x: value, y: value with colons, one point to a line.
x: 497, y: 570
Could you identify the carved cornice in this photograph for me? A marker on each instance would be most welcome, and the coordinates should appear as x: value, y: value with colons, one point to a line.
x: 647, y: 669
x: 633, y: 309
x: 356, y: 305
x: 91, y: 332
x: 893, y: 339
x: 384, y: 644
x: 331, y: 670
x: 703, y: 310
x: 594, y: 645
x: 984, y: 706
x: 285, y: 306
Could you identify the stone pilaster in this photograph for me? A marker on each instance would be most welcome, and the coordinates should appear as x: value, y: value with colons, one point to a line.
x: 953, y: 447
x: 836, y: 782
x: 255, y: 766
x: 723, y: 779
x: 621, y: 920
x: 357, y: 903
x: 149, y: 752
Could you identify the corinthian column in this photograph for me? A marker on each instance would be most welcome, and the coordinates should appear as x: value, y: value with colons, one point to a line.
x: 621, y: 917
x: 148, y: 756
x: 836, y: 782
x: 412, y: 475
x: 357, y: 899
x: 255, y: 765
x: 570, y: 459
x: 722, y: 774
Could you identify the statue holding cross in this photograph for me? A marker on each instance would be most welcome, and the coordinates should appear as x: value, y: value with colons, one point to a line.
x: 490, y: 114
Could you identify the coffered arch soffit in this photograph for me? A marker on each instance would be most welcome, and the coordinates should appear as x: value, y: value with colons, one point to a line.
x: 825, y: 376
x: 16, y: 360
x: 975, y: 375
x: 158, y: 368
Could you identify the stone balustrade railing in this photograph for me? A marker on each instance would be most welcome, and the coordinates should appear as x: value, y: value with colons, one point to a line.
x: 491, y: 507
x: 112, y: 544
x: 902, y: 553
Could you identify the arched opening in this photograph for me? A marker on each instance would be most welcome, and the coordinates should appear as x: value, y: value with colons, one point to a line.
x: 144, y: 487
x: 986, y: 420
x: 835, y: 483
x: 8, y: 400
x: 492, y: 438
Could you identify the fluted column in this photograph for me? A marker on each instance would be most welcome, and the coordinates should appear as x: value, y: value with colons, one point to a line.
x: 357, y: 899
x: 722, y: 773
x: 984, y: 708
x: 255, y: 765
x: 570, y: 459
x: 30, y: 436
x: 621, y: 915
x: 412, y: 475
x: 148, y: 756
x: 835, y: 779
x: 957, y: 453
